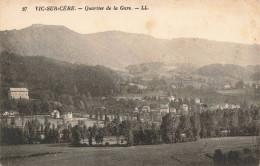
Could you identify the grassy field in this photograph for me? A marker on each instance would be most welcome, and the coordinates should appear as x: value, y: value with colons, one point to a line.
x: 191, y: 153
x: 233, y: 92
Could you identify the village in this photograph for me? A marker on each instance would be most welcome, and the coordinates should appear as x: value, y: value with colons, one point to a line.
x: 164, y: 104
x: 161, y: 105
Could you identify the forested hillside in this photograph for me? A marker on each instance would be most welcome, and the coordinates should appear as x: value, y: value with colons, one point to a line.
x: 52, y: 80
x: 228, y: 70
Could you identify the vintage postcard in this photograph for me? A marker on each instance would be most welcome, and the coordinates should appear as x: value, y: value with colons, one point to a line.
x: 129, y: 82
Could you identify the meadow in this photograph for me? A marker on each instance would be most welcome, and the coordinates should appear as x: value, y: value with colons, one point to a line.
x: 233, y: 92
x: 189, y: 153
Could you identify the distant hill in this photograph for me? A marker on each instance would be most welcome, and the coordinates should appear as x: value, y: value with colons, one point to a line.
x: 45, y: 76
x: 119, y: 49
x: 217, y: 71
x: 222, y: 71
x: 143, y: 67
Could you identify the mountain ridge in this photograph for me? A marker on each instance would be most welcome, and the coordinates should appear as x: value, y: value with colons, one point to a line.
x: 120, y: 49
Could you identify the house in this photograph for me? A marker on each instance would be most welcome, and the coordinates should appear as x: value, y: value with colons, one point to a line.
x: 172, y: 110
x: 224, y: 133
x: 164, y: 108
x: 18, y: 93
x: 171, y: 98
x: 226, y: 106
x: 197, y: 100
x: 67, y: 115
x: 55, y: 114
x: 184, y: 108
x: 135, y: 98
x: 173, y: 86
x: 146, y: 109
x: 5, y: 113
x: 136, y: 110
x: 13, y: 113
x: 227, y: 86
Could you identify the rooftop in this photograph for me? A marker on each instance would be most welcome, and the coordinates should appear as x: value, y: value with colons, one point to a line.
x: 18, y: 89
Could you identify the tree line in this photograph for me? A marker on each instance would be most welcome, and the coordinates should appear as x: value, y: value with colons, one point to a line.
x: 174, y: 128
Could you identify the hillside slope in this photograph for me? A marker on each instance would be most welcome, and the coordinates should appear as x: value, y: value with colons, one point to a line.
x: 119, y: 49
x: 44, y: 76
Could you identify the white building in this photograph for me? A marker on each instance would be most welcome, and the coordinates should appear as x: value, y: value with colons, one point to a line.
x: 146, y: 109
x: 184, y: 107
x: 171, y: 98
x: 227, y: 86
x: 164, y: 108
x: 67, y: 115
x: 136, y: 110
x: 197, y: 100
x: 13, y: 113
x: 173, y: 110
x: 18, y: 93
x: 55, y: 114
x: 5, y: 113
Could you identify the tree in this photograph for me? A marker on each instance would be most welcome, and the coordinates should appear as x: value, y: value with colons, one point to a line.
x: 219, y: 157
x: 90, y: 114
x: 234, y: 123
x: 212, y: 124
x: 76, y: 135
x: 195, y: 126
x: 116, y: 127
x: 240, y: 84
x: 107, y: 120
x: 185, y: 126
x: 41, y: 128
x: 89, y: 98
x: 96, y: 114
x: 11, y: 136
x: 47, y: 134
x: 90, y: 141
x: 155, y: 134
x: 99, y: 137
x: 75, y: 90
x: 12, y: 121
x: 101, y: 115
x: 67, y: 135
x: 81, y: 105
x: 22, y: 107
x: 127, y: 129
x: 168, y: 127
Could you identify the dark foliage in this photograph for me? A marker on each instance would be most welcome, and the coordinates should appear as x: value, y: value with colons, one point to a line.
x: 51, y: 80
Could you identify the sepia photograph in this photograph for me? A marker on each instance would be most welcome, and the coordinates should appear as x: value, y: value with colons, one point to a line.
x: 129, y: 82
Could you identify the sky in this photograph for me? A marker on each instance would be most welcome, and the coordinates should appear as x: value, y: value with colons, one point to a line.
x: 221, y: 20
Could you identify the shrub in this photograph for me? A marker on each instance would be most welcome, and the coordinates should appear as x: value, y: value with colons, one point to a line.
x: 233, y: 157
x: 250, y: 160
x: 11, y: 136
x: 107, y: 144
x: 247, y: 150
x: 219, y: 157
